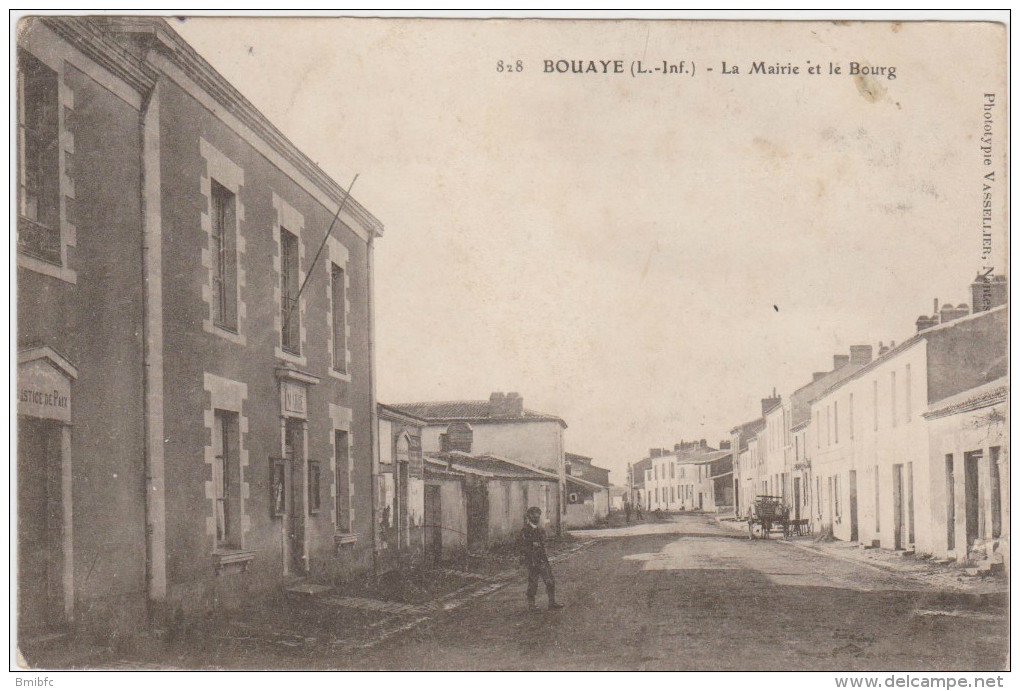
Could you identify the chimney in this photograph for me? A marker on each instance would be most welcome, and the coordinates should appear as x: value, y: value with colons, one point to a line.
x: 860, y: 354
x: 498, y: 405
x: 925, y: 322
x: 948, y: 313
x: 935, y: 309
x: 769, y: 403
x: 514, y: 404
x: 988, y: 292
x: 839, y: 361
x: 815, y: 376
x: 882, y: 349
x: 704, y: 443
x: 724, y: 444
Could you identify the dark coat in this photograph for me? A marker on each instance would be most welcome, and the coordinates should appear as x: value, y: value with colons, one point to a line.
x: 533, y: 545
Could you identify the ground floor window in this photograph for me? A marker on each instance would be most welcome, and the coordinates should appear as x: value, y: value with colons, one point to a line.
x: 341, y: 443
x: 227, y: 479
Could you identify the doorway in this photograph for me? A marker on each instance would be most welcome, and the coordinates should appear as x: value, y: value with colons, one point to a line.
x: 971, y: 460
x: 796, y: 498
x: 898, y: 506
x: 477, y: 514
x: 40, y: 521
x: 854, y: 536
x: 294, y: 451
x: 401, y: 508
x: 433, y: 524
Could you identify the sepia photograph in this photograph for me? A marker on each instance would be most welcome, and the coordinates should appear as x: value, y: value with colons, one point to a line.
x: 511, y: 343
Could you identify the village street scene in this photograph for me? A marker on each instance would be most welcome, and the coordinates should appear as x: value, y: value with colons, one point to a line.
x: 222, y: 465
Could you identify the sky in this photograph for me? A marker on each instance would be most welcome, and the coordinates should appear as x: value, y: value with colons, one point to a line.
x: 645, y: 256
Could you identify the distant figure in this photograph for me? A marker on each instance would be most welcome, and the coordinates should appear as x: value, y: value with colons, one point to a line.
x: 535, y: 558
x: 640, y: 514
x: 626, y: 510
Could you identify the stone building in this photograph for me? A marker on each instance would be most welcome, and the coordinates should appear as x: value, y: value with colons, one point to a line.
x: 194, y: 429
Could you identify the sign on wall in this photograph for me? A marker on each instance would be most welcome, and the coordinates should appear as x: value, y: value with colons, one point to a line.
x: 43, y: 391
x: 294, y: 399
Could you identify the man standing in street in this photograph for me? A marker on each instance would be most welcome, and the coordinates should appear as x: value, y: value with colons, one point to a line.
x: 535, y: 558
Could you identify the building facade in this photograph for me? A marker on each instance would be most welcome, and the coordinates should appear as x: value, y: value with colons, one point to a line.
x: 969, y: 480
x: 474, y: 502
x: 216, y: 388
x: 400, y: 488
x: 500, y: 427
x: 873, y: 469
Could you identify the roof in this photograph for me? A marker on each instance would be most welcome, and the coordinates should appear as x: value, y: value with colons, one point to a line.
x: 638, y: 471
x: 488, y: 466
x: 909, y: 343
x: 746, y: 431
x: 584, y: 483
x: 391, y: 413
x: 576, y: 457
x: 750, y: 427
x: 708, y: 458
x: 120, y: 44
x: 800, y: 400
x: 468, y: 411
x: 983, y: 396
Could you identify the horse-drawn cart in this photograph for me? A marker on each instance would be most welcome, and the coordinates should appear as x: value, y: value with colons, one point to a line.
x: 766, y: 513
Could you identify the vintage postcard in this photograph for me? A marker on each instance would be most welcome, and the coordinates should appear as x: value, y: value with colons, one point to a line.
x: 363, y: 343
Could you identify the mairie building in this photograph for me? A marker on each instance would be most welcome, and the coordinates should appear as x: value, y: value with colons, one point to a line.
x: 196, y: 413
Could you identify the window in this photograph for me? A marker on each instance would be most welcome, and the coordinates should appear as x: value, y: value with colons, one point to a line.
x: 835, y: 420
x: 796, y: 447
x: 828, y: 425
x: 818, y: 496
x: 38, y: 160
x: 656, y: 494
x: 656, y: 476
x: 314, y: 487
x: 342, y: 450
x: 906, y: 392
x: 672, y: 496
x: 851, y: 416
x: 950, y: 504
x: 892, y: 398
x: 818, y: 431
x: 994, y: 459
x: 838, y: 512
x: 672, y: 471
x: 227, y: 480
x: 289, y: 287
x: 339, y: 319
x: 878, y: 513
x: 224, y: 252
x: 874, y: 401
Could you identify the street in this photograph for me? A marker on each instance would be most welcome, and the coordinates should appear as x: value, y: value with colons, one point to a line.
x: 691, y: 595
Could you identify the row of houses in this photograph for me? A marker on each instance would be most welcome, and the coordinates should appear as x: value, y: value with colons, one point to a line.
x: 694, y: 477
x: 459, y: 475
x: 196, y: 390
x: 904, y: 448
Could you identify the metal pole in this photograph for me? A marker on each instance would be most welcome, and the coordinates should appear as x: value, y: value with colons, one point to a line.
x: 308, y: 274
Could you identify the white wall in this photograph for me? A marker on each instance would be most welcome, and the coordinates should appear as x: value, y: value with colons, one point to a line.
x: 837, y: 448
x: 958, y: 434
x: 537, y: 443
